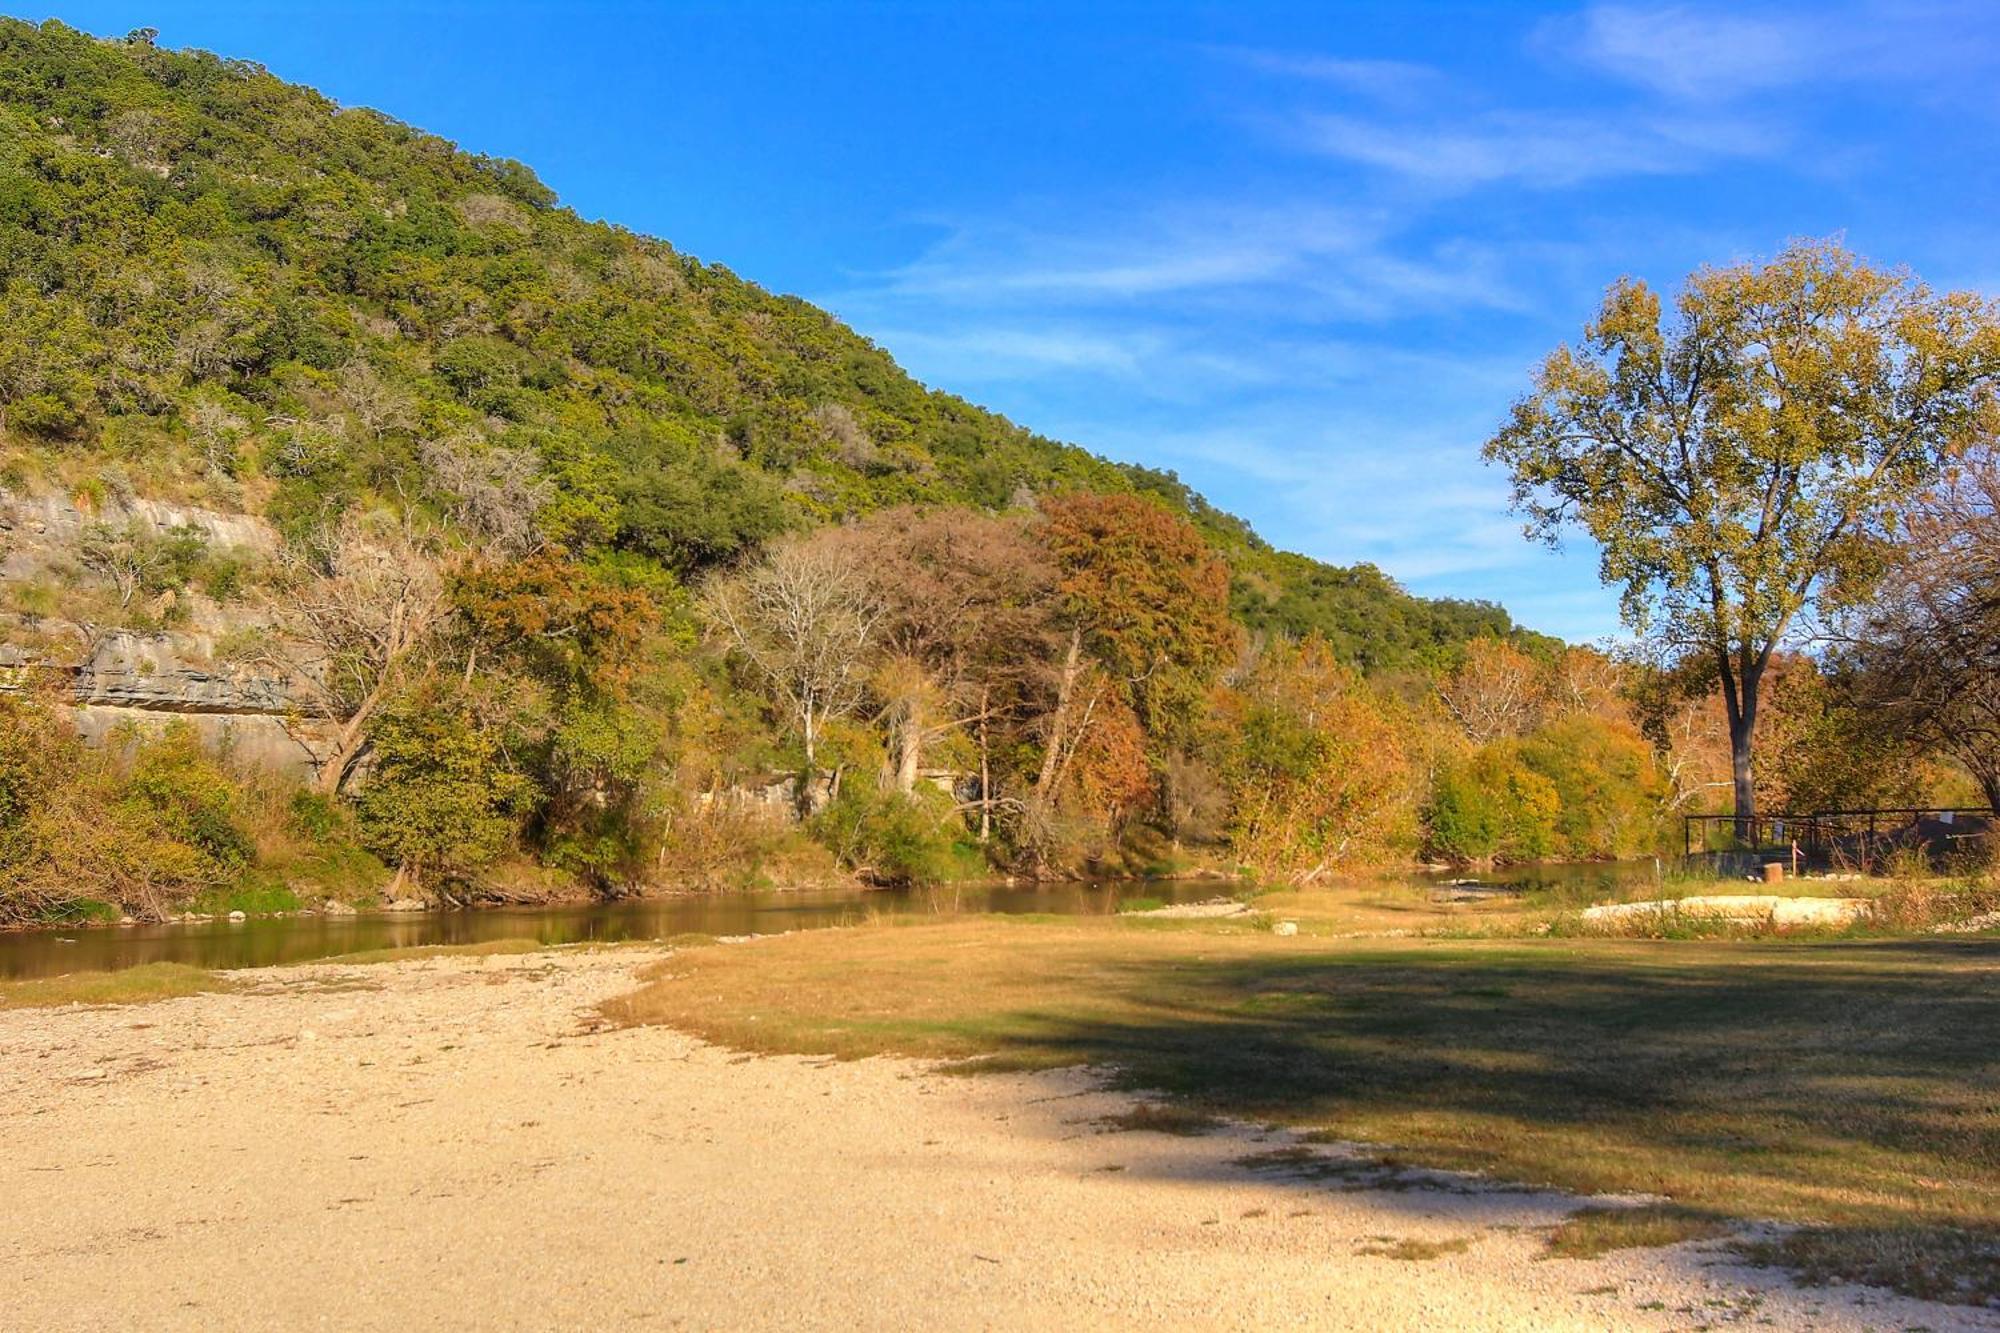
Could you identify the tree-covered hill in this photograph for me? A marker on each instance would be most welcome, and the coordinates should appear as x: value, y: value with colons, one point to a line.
x: 205, y: 266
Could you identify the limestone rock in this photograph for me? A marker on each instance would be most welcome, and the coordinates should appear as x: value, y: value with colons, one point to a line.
x: 1750, y: 908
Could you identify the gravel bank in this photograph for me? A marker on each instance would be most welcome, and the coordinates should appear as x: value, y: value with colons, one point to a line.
x: 453, y: 1143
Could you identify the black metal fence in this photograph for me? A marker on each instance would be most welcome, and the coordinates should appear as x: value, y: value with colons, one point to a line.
x: 1857, y: 840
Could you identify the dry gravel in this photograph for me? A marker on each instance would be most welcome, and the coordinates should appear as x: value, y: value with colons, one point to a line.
x: 452, y: 1144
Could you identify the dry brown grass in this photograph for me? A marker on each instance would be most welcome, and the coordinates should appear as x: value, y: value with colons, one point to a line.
x: 1935, y: 1264
x: 1416, y: 1251
x: 1160, y: 1118
x: 1845, y: 1084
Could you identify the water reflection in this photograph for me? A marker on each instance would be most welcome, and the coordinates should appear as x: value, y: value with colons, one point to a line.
x: 271, y: 941
x: 1557, y: 883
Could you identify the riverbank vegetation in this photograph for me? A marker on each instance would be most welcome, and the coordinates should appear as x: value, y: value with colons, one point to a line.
x: 582, y: 566
x: 131, y: 985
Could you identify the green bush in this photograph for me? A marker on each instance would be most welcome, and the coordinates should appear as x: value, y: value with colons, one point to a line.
x: 1607, y: 786
x: 441, y: 800
x: 85, y: 832
x: 313, y: 815
x: 890, y: 838
x: 1492, y: 806
x: 199, y: 802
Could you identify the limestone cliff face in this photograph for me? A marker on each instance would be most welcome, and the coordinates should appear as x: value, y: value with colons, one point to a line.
x: 34, y: 526
x: 121, y: 676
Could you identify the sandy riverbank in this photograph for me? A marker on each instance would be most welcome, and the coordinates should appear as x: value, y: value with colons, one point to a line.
x: 459, y: 1143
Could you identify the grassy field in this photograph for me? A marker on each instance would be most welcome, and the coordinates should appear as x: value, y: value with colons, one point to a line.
x: 1848, y: 1085
x: 132, y: 985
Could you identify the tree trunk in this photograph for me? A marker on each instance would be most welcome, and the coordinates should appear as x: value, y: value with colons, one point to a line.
x: 985, y: 770
x: 909, y: 750
x: 1059, y: 720
x: 1739, y: 697
x: 1742, y: 779
x: 347, y: 747
x: 803, y: 785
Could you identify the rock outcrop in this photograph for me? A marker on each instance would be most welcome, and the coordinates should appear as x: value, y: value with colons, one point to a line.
x: 1756, y: 909
x: 144, y: 678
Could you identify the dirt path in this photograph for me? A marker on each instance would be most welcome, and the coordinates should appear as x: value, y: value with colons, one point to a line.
x: 446, y: 1144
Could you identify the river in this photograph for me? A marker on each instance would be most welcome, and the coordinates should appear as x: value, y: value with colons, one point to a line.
x: 270, y: 941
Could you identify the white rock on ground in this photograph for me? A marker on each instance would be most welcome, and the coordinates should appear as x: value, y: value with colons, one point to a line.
x: 451, y: 1144
x: 1758, y: 908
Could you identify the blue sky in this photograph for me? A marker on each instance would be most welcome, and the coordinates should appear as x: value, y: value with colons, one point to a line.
x: 1304, y: 255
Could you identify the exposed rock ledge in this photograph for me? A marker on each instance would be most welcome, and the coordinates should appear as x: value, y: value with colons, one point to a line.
x: 1750, y: 908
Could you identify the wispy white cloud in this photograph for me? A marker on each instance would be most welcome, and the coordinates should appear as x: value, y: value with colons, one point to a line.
x: 986, y: 352
x: 1469, y: 150
x: 1323, y: 341
x: 1500, y: 147
x: 1705, y: 54
x: 1937, y: 51
x: 1395, y: 81
x: 1312, y: 261
x: 1126, y: 254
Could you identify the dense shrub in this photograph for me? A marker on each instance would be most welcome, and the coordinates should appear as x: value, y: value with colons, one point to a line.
x: 141, y: 828
x: 1492, y: 806
x: 440, y: 800
x: 1319, y: 774
x: 890, y: 838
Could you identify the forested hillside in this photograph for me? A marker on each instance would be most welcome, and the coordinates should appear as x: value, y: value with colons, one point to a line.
x: 187, y: 238
x: 555, y: 560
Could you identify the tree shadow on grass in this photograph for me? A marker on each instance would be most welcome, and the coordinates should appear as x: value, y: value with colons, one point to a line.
x: 1853, y: 1087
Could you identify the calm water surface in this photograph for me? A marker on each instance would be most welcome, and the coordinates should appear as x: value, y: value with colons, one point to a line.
x: 1569, y: 883
x: 269, y: 941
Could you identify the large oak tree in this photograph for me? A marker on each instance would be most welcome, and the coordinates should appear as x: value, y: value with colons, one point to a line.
x: 1740, y: 464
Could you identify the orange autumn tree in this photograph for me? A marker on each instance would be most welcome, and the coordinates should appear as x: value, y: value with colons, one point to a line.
x: 1320, y: 776
x: 1112, y: 777
x: 1143, y: 605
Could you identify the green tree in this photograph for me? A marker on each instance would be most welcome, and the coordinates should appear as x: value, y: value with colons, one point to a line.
x: 441, y: 798
x: 1739, y: 466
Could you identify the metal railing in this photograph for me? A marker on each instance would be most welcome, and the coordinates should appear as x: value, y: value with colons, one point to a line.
x: 1857, y: 840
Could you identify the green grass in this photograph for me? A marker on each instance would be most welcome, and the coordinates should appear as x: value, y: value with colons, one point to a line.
x: 254, y: 899
x: 132, y: 985
x: 1590, y: 1232
x: 311, y: 874
x: 1847, y: 1085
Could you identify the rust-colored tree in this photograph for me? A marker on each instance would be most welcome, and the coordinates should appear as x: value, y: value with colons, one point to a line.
x: 966, y: 629
x: 1929, y: 644
x: 1143, y: 607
